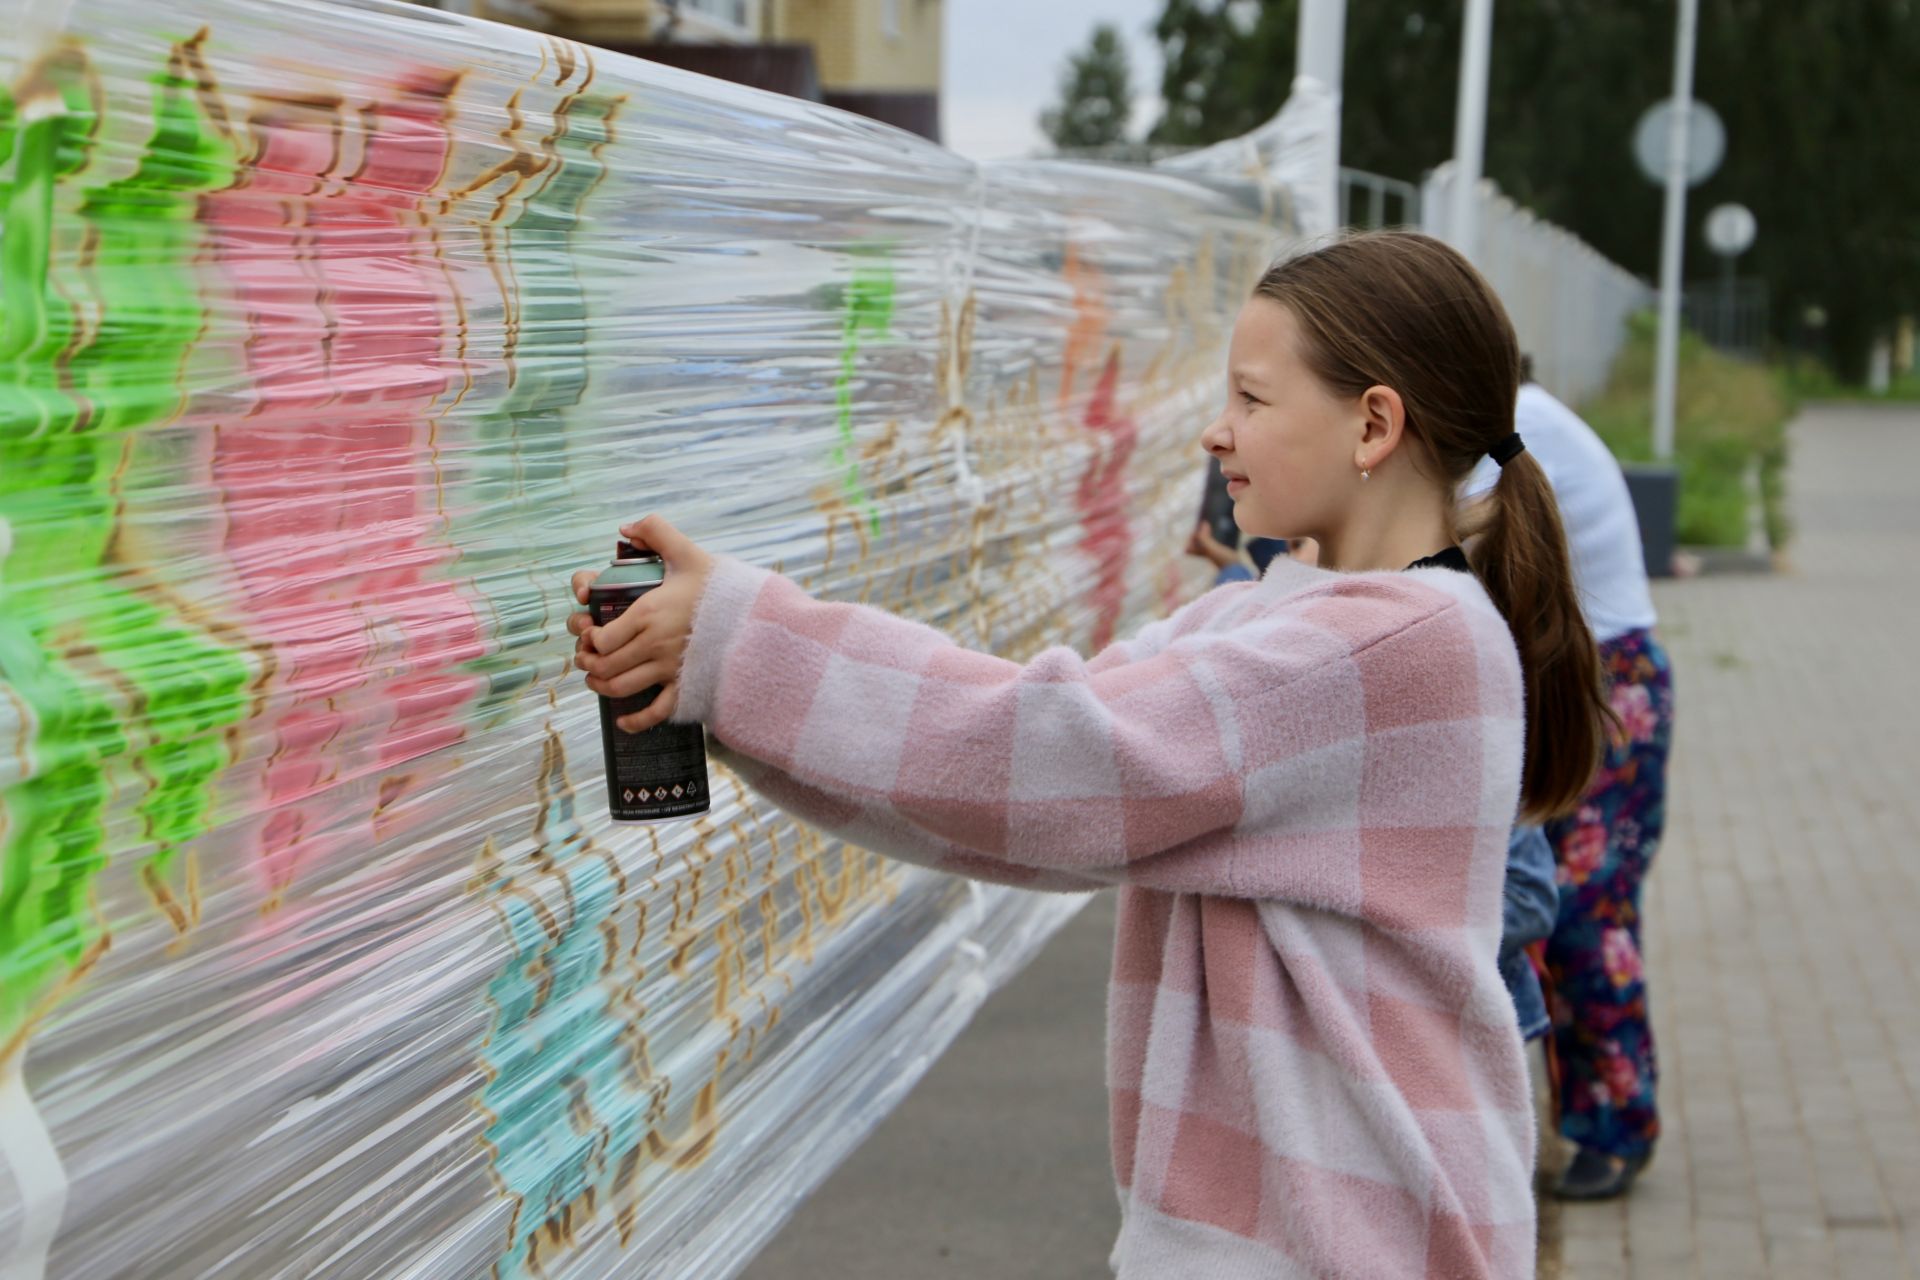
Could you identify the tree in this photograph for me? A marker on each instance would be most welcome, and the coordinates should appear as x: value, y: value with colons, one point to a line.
x: 1815, y: 98
x: 1096, y: 95
x: 1219, y: 78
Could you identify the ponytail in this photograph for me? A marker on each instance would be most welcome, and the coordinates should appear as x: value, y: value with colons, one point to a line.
x: 1518, y: 550
x: 1404, y: 310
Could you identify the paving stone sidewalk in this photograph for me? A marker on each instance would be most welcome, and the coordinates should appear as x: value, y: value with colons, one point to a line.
x: 1783, y: 918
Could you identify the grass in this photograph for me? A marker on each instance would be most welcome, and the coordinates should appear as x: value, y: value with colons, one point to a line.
x: 1728, y: 415
x: 1809, y: 379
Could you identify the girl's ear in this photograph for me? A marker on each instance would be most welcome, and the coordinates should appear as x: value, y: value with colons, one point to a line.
x: 1383, y: 423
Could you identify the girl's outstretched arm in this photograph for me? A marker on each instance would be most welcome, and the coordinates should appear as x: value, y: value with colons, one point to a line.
x: 1192, y: 764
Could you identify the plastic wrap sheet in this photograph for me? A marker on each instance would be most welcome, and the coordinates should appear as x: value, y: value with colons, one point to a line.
x: 335, y: 337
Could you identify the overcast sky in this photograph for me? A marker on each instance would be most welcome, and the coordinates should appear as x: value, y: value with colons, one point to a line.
x: 1003, y: 65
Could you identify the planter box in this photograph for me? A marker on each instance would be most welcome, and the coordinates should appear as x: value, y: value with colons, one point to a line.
x: 1655, y: 488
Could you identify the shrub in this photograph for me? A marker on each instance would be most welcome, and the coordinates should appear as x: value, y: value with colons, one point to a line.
x: 1729, y: 415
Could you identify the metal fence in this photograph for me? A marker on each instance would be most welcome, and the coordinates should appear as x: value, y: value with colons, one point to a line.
x: 1731, y: 314
x: 1369, y: 200
x: 1569, y: 303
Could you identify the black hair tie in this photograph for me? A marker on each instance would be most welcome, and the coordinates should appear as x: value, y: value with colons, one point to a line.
x: 1507, y: 450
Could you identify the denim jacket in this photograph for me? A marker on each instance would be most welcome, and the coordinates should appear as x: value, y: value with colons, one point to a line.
x: 1531, y: 906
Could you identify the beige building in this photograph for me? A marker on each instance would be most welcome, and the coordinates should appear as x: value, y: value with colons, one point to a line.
x: 630, y: 22
x: 880, y: 58
x: 874, y: 46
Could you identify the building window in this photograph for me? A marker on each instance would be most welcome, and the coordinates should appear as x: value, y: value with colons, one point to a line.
x: 732, y: 12
x: 890, y: 18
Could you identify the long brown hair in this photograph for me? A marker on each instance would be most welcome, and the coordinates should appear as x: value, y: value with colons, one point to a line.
x: 1402, y: 310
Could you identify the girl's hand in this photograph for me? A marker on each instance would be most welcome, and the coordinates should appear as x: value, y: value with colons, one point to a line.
x: 643, y: 647
x: 1202, y: 543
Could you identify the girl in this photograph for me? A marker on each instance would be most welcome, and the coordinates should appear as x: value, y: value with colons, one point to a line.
x: 1303, y: 785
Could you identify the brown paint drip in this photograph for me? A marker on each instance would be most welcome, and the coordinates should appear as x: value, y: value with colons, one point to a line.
x: 682, y: 941
x: 273, y: 112
x: 803, y: 944
x: 630, y: 1206
x: 67, y: 60
x: 53, y: 995
x: 639, y: 929
x: 580, y: 1115
x: 548, y: 922
x: 725, y: 933
x: 163, y: 898
x: 392, y: 788
x: 550, y: 164
x: 609, y: 947
x: 695, y: 876
x: 487, y: 868
x: 543, y: 801
x: 832, y: 901
x: 542, y: 973
x: 695, y: 1142
x: 639, y: 1056
x: 614, y: 870
x: 498, y: 261
x: 534, y: 1265
x: 524, y: 164
x: 191, y: 61
x: 191, y: 860
x: 770, y: 938
x: 674, y: 891
x: 738, y: 954
x: 521, y: 164
x: 659, y: 854
x: 565, y: 881
x: 439, y: 89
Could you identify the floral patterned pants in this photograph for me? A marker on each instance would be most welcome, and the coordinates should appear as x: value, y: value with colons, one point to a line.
x: 1601, y: 1051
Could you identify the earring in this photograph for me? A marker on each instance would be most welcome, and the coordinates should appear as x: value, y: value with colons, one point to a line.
x: 1366, y: 473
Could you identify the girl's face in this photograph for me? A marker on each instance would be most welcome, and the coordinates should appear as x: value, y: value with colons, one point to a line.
x: 1286, y: 443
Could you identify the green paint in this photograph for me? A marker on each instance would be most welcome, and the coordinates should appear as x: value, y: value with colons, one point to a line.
x: 107, y: 674
x: 869, y: 306
x: 520, y: 473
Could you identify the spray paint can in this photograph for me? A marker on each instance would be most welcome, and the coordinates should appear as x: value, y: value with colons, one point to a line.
x: 660, y: 773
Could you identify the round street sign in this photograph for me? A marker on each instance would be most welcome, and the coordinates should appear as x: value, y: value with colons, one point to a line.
x: 1730, y: 230
x: 1706, y: 141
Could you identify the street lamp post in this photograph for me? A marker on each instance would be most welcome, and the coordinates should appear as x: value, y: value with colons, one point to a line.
x: 1322, y: 39
x: 1470, y: 128
x: 1673, y: 231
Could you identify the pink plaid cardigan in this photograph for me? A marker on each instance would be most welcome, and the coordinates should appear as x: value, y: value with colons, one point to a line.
x: 1304, y: 788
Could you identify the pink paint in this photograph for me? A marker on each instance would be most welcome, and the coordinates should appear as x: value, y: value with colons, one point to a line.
x: 1106, y: 531
x: 327, y: 479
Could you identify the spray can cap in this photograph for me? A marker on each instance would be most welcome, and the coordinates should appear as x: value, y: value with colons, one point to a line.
x: 624, y: 550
